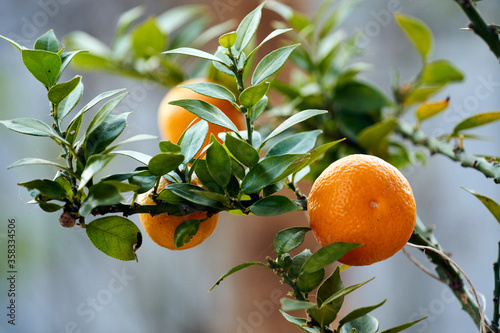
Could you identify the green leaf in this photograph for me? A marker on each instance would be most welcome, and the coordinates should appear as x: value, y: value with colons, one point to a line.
x: 33, y: 161
x: 50, y: 207
x: 126, y: 20
x: 266, y: 171
x: 253, y: 94
x: 274, y: 205
x: 299, y: 322
x: 288, y: 304
x: 421, y: 94
x: 59, y: 92
x: 307, y: 282
x: 47, y: 42
x: 176, y: 17
x: 122, y: 187
x: 101, y: 194
x: 193, y: 139
x: 138, y: 156
x: 147, y: 39
x: 327, y: 255
x: 66, y: 58
x: 258, y: 109
x: 441, y: 72
x: 47, y: 187
x: 31, y: 126
x: 288, y: 239
x: 206, y: 111
x: 185, y: 231
x: 218, y: 163
x: 69, y: 103
x: 417, y: 32
x: 327, y: 312
x: 116, y: 236
x: 292, y: 121
x: 195, y: 53
x: 206, y: 178
x: 247, y: 28
x: 135, y: 138
x: 345, y: 291
x: 163, y: 163
x: 236, y: 269
x: 169, y: 147
x: 103, y: 113
x: 355, y: 314
x: 227, y: 40
x: 374, y: 136
x: 43, y: 65
x: 492, y: 205
x: 430, y: 109
x: 210, y: 89
x: 272, y: 35
x: 191, y: 193
x: 271, y: 63
x: 476, y: 121
x: 94, y: 164
x: 401, y: 328
x: 105, y: 134
x: 242, y: 151
x: 144, y: 179
x: 13, y: 43
x: 365, y: 324
x: 360, y: 97
x: 299, y: 143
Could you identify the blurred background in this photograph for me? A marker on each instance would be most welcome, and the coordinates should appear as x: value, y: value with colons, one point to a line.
x: 64, y: 284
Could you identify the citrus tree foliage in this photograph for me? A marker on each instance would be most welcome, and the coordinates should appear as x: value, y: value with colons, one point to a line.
x: 328, y: 112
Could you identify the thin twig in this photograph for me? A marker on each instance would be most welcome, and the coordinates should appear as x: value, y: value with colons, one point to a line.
x: 496, y: 293
x: 483, y: 326
x: 419, y: 265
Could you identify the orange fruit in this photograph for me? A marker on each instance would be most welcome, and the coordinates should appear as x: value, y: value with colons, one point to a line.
x: 362, y: 199
x: 161, y: 228
x: 173, y: 119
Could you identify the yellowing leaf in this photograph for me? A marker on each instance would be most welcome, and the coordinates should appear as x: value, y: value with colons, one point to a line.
x: 430, y: 109
x: 417, y: 32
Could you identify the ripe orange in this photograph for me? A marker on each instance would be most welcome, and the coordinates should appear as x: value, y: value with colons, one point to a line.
x: 362, y: 199
x: 161, y: 228
x: 173, y: 120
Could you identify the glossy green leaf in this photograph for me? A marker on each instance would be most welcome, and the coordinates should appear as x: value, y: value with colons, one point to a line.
x: 206, y: 178
x: 30, y: 126
x: 341, y: 293
x: 297, y: 263
x: 144, y: 179
x: 247, y: 28
x: 273, y: 34
x: 299, y: 143
x: 101, y: 194
x: 258, y: 109
x: 365, y: 324
x: 360, y: 97
x: 193, y: 139
x: 441, y: 72
x: 43, y: 65
x: 227, y: 40
x: 135, y: 138
x: 307, y: 282
x: 292, y: 121
x: 46, y: 187
x: 50, y: 207
x: 206, y: 111
x: 427, y: 110
x: 210, y: 89
x: 300, y: 323
x: 288, y: 239
x: 327, y: 255
x: 242, y: 151
x: 104, y: 112
x: 47, y: 42
x: 274, y: 205
x: 226, y: 66
x: 266, y: 171
x: 116, y: 236
x: 189, y: 192
x: 417, y: 32
x: 70, y: 102
x: 94, y: 164
x: 13, y: 43
x: 122, y: 187
x: 169, y: 147
x: 185, y: 231
x: 147, y: 39
x: 374, y: 136
x: 271, y: 63
x: 218, y: 163
x: 236, y: 269
x: 105, y: 134
x: 329, y: 287
x: 138, y: 156
x: 195, y: 53
x: 403, y: 327
x: 288, y: 304
x: 476, y: 121
x: 163, y: 163
x: 489, y: 203
x: 66, y: 58
x: 37, y: 161
x: 355, y: 314
x: 59, y: 92
x: 253, y: 94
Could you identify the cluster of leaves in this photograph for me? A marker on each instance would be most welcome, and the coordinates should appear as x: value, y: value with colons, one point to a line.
x: 305, y: 273
x: 137, y: 45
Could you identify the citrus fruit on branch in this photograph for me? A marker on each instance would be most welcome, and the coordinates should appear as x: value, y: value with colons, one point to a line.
x: 161, y: 228
x: 173, y: 119
x: 362, y: 199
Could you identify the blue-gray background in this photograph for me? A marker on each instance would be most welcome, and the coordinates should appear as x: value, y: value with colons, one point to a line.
x: 65, y: 285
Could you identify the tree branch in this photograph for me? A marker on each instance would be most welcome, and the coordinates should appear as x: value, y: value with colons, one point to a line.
x: 489, y: 33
